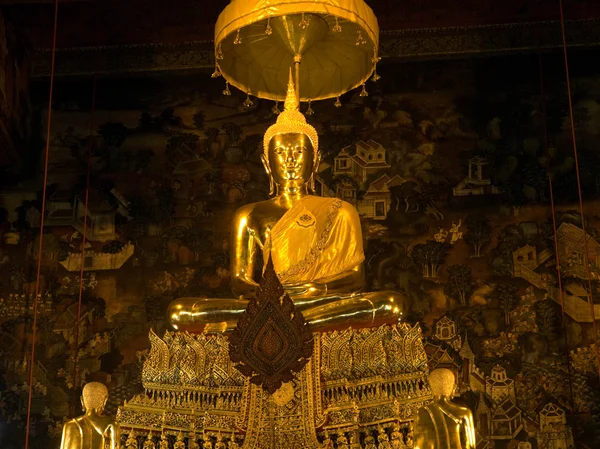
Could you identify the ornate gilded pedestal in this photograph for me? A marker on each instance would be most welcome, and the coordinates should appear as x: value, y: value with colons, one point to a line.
x: 359, y: 385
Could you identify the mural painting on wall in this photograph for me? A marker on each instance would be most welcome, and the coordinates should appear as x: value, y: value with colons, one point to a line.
x: 448, y: 170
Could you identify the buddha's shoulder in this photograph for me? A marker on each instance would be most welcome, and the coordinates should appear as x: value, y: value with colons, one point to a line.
x: 345, y: 209
x: 246, y: 210
x: 334, y: 202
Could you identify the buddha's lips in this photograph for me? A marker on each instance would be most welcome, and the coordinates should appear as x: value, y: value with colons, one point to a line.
x: 292, y: 173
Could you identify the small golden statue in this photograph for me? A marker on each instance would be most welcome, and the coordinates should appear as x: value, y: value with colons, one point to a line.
x: 442, y: 424
x: 92, y: 430
x: 315, y: 243
x: 397, y: 438
x: 192, y: 438
x: 220, y: 444
x: 164, y: 441
x: 383, y: 439
x: 342, y: 441
x: 207, y: 443
x: 131, y: 442
x: 149, y: 443
x: 179, y: 444
x: 370, y: 442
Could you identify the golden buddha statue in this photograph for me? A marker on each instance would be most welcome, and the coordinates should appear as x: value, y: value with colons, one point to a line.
x: 442, y: 424
x: 315, y: 244
x: 92, y: 430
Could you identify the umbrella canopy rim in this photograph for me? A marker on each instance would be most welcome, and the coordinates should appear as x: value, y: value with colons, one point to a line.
x: 243, y: 13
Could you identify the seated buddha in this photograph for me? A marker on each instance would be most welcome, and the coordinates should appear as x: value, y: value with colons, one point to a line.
x: 315, y: 244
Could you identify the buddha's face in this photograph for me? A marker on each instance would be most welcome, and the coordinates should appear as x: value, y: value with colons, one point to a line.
x: 291, y: 158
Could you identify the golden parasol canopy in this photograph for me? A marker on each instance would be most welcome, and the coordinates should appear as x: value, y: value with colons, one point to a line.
x: 334, y: 41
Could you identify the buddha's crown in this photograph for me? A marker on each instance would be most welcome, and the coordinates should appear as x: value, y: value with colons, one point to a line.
x: 291, y: 121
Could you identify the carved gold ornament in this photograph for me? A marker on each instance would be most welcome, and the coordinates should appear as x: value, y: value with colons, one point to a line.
x: 271, y: 341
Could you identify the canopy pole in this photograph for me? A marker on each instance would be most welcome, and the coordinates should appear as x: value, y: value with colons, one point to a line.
x: 297, y: 60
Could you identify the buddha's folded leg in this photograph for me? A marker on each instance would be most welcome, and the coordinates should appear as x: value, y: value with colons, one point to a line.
x: 360, y: 310
x: 197, y: 315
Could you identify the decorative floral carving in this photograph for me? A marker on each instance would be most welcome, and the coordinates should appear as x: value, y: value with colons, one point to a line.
x: 271, y: 341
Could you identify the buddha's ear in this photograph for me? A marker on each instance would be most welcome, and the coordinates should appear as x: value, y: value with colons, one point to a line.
x: 265, y: 163
x: 317, y: 162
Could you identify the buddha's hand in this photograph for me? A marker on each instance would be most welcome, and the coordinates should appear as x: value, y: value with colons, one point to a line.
x: 306, y: 290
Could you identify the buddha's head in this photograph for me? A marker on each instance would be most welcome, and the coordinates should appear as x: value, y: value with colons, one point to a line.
x: 291, y: 146
x: 442, y: 383
x: 94, y: 396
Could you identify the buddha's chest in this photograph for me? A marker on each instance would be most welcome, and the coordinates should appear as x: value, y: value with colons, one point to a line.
x: 294, y: 223
x: 263, y: 219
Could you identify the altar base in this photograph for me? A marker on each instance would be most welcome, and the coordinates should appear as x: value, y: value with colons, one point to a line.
x: 358, y: 385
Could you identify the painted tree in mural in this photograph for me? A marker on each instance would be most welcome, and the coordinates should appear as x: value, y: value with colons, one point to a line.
x: 168, y: 117
x: 114, y: 134
x: 430, y: 256
x: 408, y: 197
x: 233, y: 131
x: 547, y: 317
x: 211, y: 134
x: 478, y: 232
x: 163, y: 205
x: 251, y: 143
x: 183, y: 140
x: 510, y: 239
x: 113, y: 247
x: 199, y: 120
x: 460, y: 283
x: 506, y: 294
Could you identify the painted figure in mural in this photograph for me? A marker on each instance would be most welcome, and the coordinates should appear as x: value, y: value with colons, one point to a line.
x: 315, y: 243
x: 442, y: 424
x: 441, y: 235
x: 92, y: 430
x: 456, y: 235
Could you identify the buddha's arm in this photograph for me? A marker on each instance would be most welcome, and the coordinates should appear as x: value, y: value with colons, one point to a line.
x: 242, y: 255
x: 71, y: 438
x: 470, y: 431
x: 348, y: 282
x: 115, y: 436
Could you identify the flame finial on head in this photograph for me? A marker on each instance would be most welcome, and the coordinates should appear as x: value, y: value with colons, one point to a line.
x: 291, y: 121
x: 291, y: 99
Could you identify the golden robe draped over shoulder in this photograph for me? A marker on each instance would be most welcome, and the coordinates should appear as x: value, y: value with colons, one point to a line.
x: 316, y: 240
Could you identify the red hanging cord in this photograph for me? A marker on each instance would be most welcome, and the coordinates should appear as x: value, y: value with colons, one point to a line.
x: 41, y: 235
x: 85, y: 222
x: 573, y: 138
x: 554, y: 228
